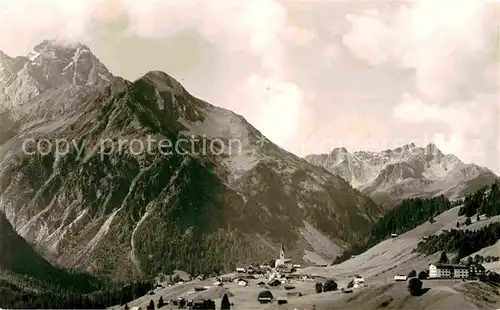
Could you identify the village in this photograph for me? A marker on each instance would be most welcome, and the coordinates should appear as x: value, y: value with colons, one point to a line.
x: 266, y: 286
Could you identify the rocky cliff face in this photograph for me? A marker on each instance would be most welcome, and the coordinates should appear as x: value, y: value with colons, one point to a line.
x: 149, y: 179
x: 404, y: 172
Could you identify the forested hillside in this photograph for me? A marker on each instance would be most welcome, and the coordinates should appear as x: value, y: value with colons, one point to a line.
x: 407, y: 215
x: 14, y: 297
x: 461, y: 242
x: 411, y: 213
x: 28, y: 281
x: 18, y: 258
x: 485, y: 201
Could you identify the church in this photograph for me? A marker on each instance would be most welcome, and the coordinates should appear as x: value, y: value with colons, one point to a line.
x: 282, y: 261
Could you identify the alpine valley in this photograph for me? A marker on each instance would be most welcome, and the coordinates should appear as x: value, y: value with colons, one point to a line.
x: 89, y: 217
x: 123, y: 215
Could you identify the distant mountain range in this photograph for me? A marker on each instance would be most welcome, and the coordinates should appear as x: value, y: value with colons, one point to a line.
x: 125, y: 215
x: 408, y: 171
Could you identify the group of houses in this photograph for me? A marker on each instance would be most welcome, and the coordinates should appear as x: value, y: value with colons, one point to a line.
x: 282, y: 272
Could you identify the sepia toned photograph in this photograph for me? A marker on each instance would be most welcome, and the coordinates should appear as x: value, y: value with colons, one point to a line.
x: 250, y: 154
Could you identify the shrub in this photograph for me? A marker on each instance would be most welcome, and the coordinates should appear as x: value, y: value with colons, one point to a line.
x: 319, y: 287
x: 412, y: 274
x: 330, y: 285
x: 265, y: 297
x: 444, y: 258
x: 494, y: 277
x: 422, y: 275
x: 225, y: 304
x: 385, y: 301
x: 415, y: 286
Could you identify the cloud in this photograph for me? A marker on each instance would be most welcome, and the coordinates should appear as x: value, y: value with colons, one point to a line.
x: 429, y: 36
x: 459, y: 116
x: 470, y: 131
x: 243, y: 61
x: 259, y: 29
x: 281, y: 113
x: 451, y: 46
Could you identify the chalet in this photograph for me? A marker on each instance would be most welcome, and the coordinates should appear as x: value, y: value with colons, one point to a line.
x: 240, y: 270
x: 275, y: 282
x: 400, y: 278
x: 476, y: 270
x: 199, y: 278
x: 359, y: 282
x: 225, y: 279
x: 448, y: 271
x: 261, y: 284
x: 286, y: 269
x: 293, y: 276
x: 242, y: 282
x: 394, y: 235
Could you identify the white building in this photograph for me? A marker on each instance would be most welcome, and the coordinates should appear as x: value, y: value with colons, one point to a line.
x: 400, y: 278
x: 282, y: 261
x: 448, y: 271
x: 358, y: 282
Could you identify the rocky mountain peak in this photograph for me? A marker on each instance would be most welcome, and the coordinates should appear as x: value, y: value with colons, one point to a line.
x: 340, y: 150
x: 4, y: 57
x: 235, y: 192
x: 51, y: 65
x: 58, y: 63
x: 431, y: 148
x: 405, y: 170
x: 163, y: 82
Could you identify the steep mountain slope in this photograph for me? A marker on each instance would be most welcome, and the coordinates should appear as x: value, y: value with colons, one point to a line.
x: 407, y: 171
x: 203, y: 190
x: 396, y: 255
x: 21, y: 266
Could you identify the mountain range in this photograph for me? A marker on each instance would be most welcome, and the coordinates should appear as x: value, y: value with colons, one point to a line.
x: 127, y: 214
x: 405, y: 172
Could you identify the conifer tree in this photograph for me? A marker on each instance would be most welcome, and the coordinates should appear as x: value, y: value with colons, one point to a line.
x: 443, y: 259
x: 225, y: 304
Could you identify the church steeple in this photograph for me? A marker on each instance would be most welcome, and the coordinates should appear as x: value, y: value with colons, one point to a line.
x: 282, y: 252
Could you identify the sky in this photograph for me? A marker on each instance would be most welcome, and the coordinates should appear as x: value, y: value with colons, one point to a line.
x: 310, y: 75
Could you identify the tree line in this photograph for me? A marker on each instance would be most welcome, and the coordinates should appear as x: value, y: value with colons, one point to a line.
x: 461, y: 242
x: 413, y: 212
x: 14, y: 297
x: 407, y: 215
x: 484, y: 201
